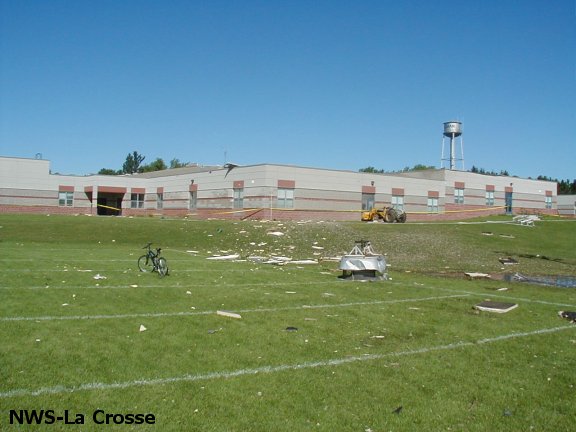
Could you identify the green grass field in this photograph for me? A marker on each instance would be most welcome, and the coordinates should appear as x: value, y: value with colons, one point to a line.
x: 396, y: 355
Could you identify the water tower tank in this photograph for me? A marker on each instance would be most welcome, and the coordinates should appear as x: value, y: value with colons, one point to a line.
x: 453, y: 129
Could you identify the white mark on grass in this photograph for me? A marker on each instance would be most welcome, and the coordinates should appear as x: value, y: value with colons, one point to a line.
x: 269, y: 369
x: 176, y: 314
x: 484, y: 294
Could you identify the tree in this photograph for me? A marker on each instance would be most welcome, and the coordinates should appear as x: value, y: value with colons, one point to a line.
x: 109, y: 171
x: 157, y: 165
x: 419, y: 167
x: 175, y: 163
x: 371, y: 169
x: 133, y: 162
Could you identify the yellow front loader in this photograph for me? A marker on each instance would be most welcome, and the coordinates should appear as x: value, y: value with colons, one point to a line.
x: 386, y: 214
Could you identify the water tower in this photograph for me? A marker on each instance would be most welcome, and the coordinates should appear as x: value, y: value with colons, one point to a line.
x: 453, y: 131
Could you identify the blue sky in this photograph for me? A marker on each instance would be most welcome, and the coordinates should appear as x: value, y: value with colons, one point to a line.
x: 326, y: 83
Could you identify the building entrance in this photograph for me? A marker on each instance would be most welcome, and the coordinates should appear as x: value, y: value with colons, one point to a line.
x: 109, y: 204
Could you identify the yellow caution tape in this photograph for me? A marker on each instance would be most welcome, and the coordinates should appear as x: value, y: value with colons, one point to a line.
x: 108, y: 207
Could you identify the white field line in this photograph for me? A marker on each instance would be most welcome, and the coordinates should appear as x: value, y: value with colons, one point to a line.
x: 225, y: 285
x: 268, y: 369
x: 490, y: 295
x: 283, y: 284
x: 124, y: 270
x: 177, y: 314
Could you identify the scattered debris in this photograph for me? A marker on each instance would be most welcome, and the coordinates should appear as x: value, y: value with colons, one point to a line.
x: 290, y: 292
x: 487, y: 233
x: 142, y: 328
x: 507, y: 236
x: 498, y: 307
x: 305, y: 261
x: 223, y: 257
x: 502, y: 289
x: 291, y: 329
x: 99, y: 276
x: 377, y: 337
x: 570, y: 316
x: 557, y: 281
x: 214, y: 330
x: 275, y: 233
x: 334, y: 258
x: 472, y: 275
x: 279, y: 260
x: 508, y: 261
x: 189, y: 292
x: 526, y: 220
x: 134, y: 286
x: 398, y: 410
x: 228, y: 314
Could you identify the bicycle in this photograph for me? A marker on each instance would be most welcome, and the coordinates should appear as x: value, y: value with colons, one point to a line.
x: 153, y: 262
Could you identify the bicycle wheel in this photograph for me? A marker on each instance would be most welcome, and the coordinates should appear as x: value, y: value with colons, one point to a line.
x: 145, y: 264
x: 162, y: 267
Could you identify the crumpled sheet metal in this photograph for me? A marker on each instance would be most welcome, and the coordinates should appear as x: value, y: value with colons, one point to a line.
x: 362, y: 262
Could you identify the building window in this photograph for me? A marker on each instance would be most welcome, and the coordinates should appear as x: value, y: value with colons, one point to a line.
x: 432, y: 205
x: 65, y: 199
x: 458, y: 196
x: 159, y: 200
x: 368, y: 201
x: 548, y: 202
x: 193, y: 200
x: 398, y: 202
x: 239, y: 198
x: 489, y: 198
x: 285, y: 198
x: 136, y: 200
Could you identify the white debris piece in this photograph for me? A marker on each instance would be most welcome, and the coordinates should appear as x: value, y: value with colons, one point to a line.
x: 142, y: 328
x: 275, y: 233
x: 473, y: 275
x: 228, y: 314
x: 99, y: 276
x: 223, y: 257
x: 307, y: 261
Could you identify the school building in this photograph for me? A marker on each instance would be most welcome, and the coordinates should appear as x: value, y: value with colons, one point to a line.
x: 269, y: 191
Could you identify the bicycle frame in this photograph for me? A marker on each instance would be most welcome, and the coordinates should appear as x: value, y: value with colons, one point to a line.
x: 158, y: 264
